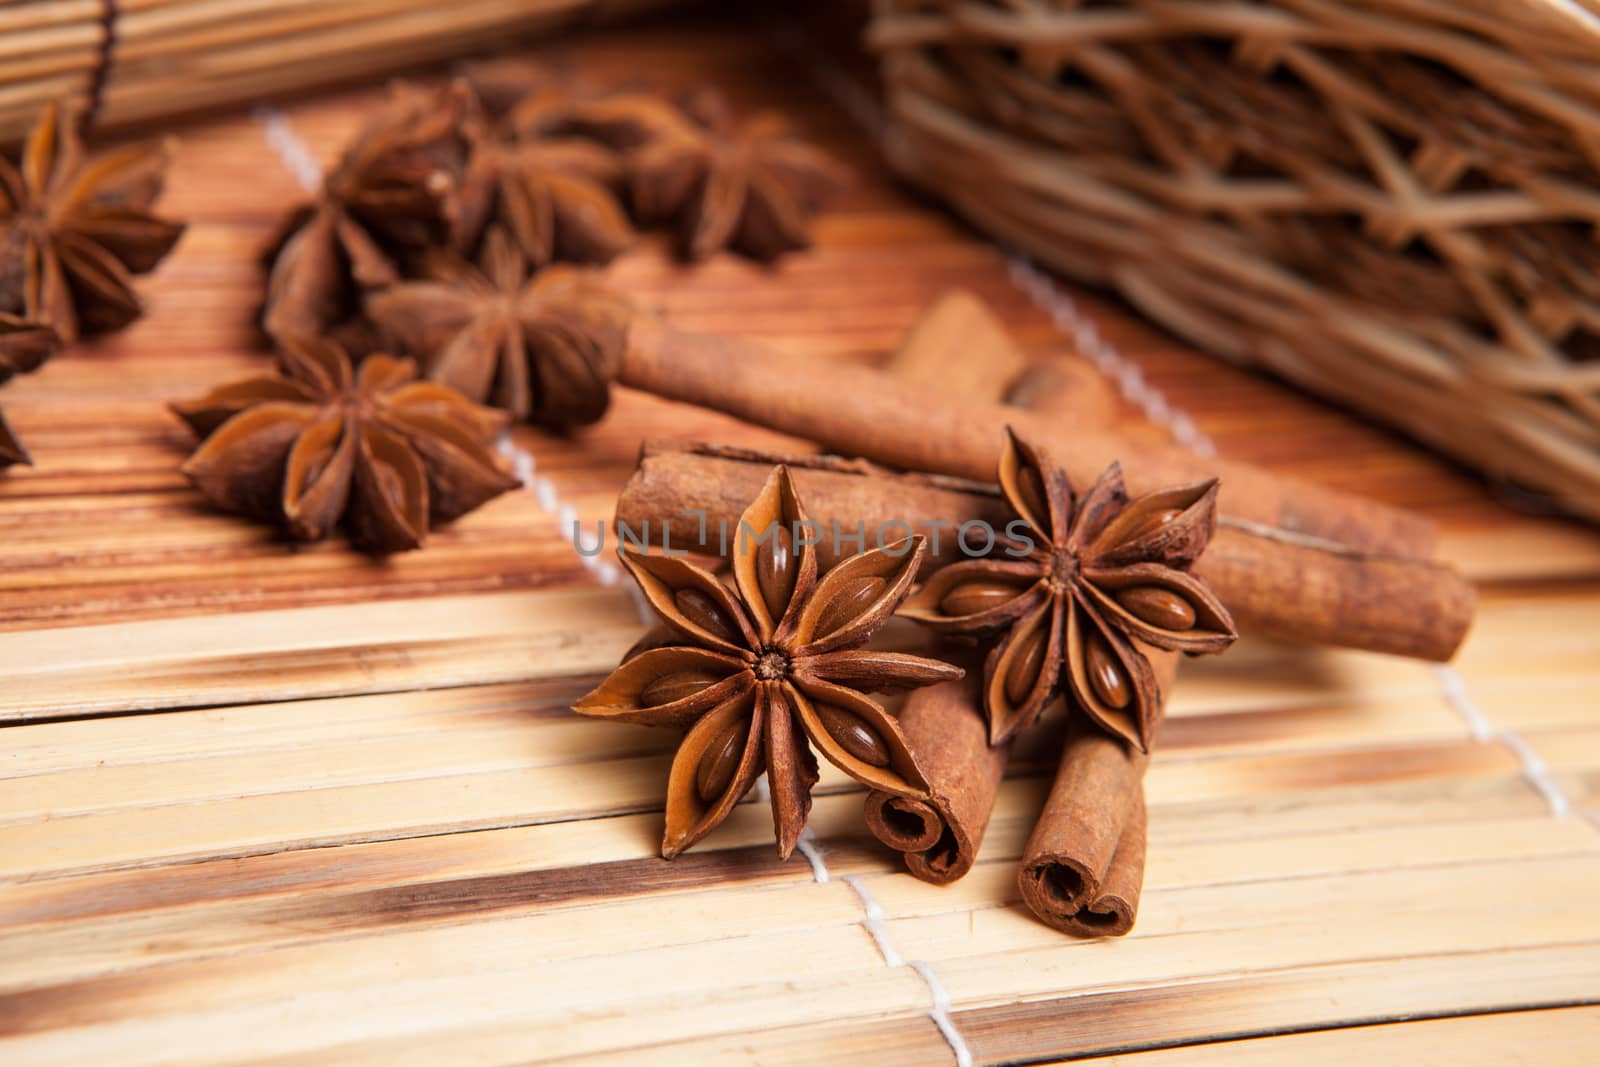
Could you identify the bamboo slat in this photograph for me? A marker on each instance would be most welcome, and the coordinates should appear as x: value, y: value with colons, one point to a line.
x: 1563, y: 1035
x: 281, y: 804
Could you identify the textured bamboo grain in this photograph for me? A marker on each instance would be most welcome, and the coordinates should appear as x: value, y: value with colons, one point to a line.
x: 156, y: 60
x: 269, y: 843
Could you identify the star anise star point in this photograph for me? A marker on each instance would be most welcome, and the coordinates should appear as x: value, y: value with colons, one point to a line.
x: 1078, y: 591
x: 749, y: 186
x: 394, y: 190
x: 24, y: 347
x: 320, y: 444
x: 543, y: 346
x: 555, y: 197
x: 74, y: 230
x: 767, y: 669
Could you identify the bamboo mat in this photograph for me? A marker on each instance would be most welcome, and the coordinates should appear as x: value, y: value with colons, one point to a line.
x: 285, y: 805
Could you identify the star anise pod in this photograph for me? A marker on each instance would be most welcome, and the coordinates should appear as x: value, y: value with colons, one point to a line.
x: 319, y: 443
x: 543, y: 347
x: 749, y: 186
x: 503, y: 84
x: 1074, y: 588
x: 24, y: 346
x: 392, y: 193
x: 74, y: 231
x: 554, y: 196
x: 762, y: 672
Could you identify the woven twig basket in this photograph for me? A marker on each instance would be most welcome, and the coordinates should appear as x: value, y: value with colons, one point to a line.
x: 1391, y: 202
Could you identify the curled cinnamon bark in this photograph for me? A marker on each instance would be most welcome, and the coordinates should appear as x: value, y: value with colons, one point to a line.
x: 944, y: 725
x: 1083, y: 866
x: 913, y: 426
x: 1276, y: 585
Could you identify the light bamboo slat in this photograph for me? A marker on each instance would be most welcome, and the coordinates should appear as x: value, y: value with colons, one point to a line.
x: 1558, y: 1036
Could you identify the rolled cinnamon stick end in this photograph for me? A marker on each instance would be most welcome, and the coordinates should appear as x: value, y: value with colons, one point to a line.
x: 945, y: 728
x: 913, y: 426
x: 1075, y: 854
x: 1291, y: 588
x: 1083, y: 866
x: 1113, y: 910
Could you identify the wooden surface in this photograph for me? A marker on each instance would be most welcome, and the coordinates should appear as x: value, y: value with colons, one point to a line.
x: 261, y: 803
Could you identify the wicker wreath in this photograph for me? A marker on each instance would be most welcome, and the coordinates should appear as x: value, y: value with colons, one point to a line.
x: 1391, y: 202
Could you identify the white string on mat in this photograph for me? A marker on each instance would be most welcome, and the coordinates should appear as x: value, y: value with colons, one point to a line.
x: 873, y: 923
x: 1460, y: 701
x: 1534, y: 768
x: 291, y: 151
x: 807, y: 844
x: 1086, y: 337
x: 298, y: 159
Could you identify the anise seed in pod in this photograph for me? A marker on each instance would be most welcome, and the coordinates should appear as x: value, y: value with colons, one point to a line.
x: 1158, y: 607
x: 1105, y: 674
x: 852, y: 599
x: 777, y: 566
x: 1152, y: 523
x: 676, y: 686
x: 719, y: 762
x: 700, y: 609
x: 1030, y: 485
x: 853, y: 736
x: 969, y: 598
x: 1025, y: 667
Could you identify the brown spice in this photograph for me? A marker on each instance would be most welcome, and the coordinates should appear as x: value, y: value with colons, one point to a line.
x: 959, y: 347
x: 765, y: 670
x: 1291, y: 589
x: 1083, y: 866
x: 74, y: 231
x: 554, y: 196
x: 1083, y: 585
x: 393, y: 192
x: 862, y: 412
x: 749, y: 186
x: 542, y: 347
x: 944, y: 725
x: 24, y: 347
x: 321, y: 443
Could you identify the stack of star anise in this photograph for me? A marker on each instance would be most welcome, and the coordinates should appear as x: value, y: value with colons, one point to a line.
x: 73, y: 232
x: 437, y: 230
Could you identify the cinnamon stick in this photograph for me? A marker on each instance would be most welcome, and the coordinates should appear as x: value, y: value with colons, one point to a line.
x: 959, y: 347
x: 1294, y: 589
x: 864, y: 412
x: 1083, y: 866
x: 944, y: 725
x: 1069, y: 388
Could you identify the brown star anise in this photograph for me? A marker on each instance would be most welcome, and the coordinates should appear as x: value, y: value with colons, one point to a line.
x: 1079, y: 583
x: 751, y: 186
x: 760, y: 670
x: 544, y: 347
x: 392, y: 192
x: 554, y: 196
x: 73, y: 232
x: 319, y: 442
x: 24, y: 346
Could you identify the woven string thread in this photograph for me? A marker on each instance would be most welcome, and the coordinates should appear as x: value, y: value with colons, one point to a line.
x: 94, y: 93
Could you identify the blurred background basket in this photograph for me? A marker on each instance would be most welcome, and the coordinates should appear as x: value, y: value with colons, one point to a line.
x: 1390, y: 202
